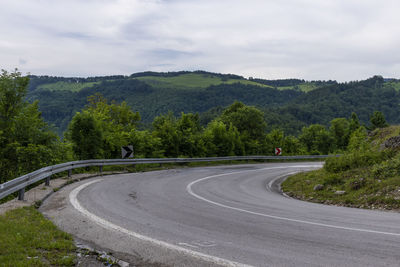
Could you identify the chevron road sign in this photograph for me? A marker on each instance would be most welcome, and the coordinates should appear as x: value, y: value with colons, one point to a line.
x: 278, y: 151
x: 127, y: 152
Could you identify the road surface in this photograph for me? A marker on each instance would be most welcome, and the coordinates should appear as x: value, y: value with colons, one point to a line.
x: 225, y: 215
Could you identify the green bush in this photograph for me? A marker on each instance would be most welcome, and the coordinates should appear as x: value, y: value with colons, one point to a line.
x: 386, y: 169
x: 355, y: 159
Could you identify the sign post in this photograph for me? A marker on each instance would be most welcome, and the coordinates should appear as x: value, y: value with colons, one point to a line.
x: 127, y: 152
x: 278, y: 151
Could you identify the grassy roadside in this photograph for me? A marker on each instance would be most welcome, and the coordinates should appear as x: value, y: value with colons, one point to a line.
x: 366, y: 176
x: 28, y: 239
x: 356, y: 188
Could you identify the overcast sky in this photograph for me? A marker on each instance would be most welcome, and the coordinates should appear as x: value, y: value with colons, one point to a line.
x: 309, y: 39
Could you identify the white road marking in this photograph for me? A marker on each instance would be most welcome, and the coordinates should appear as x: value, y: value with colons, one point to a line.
x: 190, y: 191
x: 109, y: 225
x: 198, y: 244
x: 205, y: 244
x: 269, y: 187
x: 188, y: 245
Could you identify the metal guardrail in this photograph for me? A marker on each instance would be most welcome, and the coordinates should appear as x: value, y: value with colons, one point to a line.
x: 19, y: 184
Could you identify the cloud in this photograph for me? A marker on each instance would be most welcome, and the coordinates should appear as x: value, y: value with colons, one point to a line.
x: 331, y: 39
x: 22, y: 61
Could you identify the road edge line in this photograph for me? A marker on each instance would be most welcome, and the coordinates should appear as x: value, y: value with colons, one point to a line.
x: 190, y: 191
x: 109, y: 225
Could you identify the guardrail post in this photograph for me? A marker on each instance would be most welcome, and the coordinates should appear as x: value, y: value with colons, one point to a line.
x: 101, y: 169
x: 69, y: 173
x: 47, y: 183
x: 21, y: 194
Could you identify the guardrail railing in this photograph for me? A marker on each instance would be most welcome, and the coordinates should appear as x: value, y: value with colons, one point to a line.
x: 19, y: 184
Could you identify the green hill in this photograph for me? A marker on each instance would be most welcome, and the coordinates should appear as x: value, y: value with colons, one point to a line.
x: 183, y: 80
x: 288, y: 104
x: 193, y: 81
x: 65, y: 86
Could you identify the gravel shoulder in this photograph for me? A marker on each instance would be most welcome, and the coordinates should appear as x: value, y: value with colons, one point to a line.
x: 41, y: 192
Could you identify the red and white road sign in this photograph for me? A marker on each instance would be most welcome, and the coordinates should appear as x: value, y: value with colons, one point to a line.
x: 278, y: 151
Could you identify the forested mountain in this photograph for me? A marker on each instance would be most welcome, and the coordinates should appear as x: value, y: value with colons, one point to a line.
x: 288, y: 104
x: 208, y: 119
x: 339, y: 100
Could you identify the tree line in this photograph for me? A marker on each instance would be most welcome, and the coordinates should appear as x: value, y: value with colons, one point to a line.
x: 102, y: 127
x: 288, y: 110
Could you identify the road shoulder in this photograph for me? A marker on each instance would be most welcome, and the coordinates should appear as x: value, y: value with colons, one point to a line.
x: 59, y: 210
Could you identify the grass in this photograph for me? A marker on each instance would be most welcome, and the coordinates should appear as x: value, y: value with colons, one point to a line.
x: 304, y: 87
x: 191, y: 80
x: 362, y: 190
x: 66, y: 86
x: 187, y: 81
x: 183, y: 81
x: 307, y: 87
x: 393, y: 84
x: 367, y: 179
x: 379, y: 136
x: 28, y: 239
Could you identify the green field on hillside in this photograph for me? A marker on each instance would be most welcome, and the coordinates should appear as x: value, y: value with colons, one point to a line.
x: 67, y: 86
x: 304, y: 87
x: 192, y: 80
x: 183, y: 81
x: 393, y: 84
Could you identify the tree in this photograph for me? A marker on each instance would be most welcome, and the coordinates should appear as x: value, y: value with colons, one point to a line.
x: 38, y: 146
x: 354, y: 122
x: 273, y: 139
x: 114, y: 115
x: 26, y: 142
x: 316, y: 139
x: 377, y: 120
x: 189, y: 129
x: 146, y: 144
x: 165, y: 128
x: 179, y: 136
x: 340, y: 131
x: 110, y: 123
x: 12, y: 93
x: 86, y: 136
x: 292, y: 146
x: 358, y: 140
x: 249, y: 122
x: 220, y: 140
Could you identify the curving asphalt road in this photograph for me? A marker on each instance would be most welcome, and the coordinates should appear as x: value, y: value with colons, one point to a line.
x: 234, y: 215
